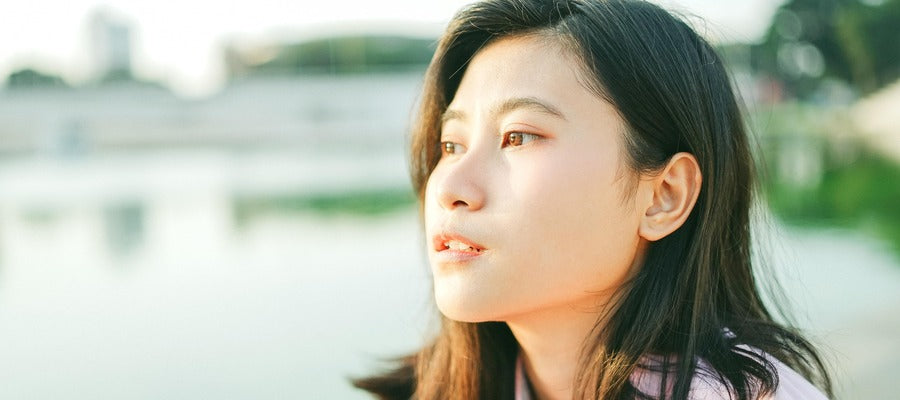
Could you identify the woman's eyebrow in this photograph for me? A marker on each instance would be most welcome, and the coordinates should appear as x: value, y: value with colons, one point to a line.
x: 534, y: 103
x: 508, y: 106
x: 450, y: 114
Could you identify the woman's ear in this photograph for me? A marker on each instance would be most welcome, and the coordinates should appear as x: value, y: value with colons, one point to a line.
x: 675, y: 192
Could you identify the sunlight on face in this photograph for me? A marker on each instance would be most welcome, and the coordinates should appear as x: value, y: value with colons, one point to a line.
x: 524, y: 212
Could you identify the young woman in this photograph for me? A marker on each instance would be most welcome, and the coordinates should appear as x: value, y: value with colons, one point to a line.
x: 585, y: 183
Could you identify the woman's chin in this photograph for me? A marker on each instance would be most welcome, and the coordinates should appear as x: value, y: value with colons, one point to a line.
x: 461, y: 310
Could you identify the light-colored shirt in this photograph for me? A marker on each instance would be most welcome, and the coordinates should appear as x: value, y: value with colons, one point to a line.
x: 791, y: 386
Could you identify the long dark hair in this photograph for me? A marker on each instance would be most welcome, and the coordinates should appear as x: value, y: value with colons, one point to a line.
x: 694, y: 302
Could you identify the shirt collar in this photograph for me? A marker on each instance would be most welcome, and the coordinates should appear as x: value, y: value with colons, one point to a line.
x: 523, y: 391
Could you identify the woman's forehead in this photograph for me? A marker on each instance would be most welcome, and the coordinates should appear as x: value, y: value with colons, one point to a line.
x: 528, y: 73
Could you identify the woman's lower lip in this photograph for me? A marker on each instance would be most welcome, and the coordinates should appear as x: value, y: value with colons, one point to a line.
x: 456, y: 256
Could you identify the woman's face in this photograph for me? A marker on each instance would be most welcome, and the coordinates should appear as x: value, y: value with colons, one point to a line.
x: 526, y: 211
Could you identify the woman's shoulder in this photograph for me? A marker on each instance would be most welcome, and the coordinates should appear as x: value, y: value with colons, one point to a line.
x: 708, y: 385
x: 792, y: 385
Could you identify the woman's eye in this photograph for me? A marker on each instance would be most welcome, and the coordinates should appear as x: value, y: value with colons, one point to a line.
x: 518, y: 138
x: 452, y: 148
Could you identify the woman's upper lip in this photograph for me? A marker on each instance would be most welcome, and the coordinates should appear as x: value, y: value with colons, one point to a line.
x: 444, y: 237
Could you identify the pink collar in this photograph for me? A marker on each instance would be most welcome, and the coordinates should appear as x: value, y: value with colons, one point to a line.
x: 523, y: 392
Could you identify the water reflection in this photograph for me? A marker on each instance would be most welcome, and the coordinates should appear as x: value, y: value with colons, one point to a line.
x: 145, y: 251
x: 124, y: 227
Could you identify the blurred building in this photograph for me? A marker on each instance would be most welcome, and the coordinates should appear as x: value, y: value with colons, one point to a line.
x: 110, y: 45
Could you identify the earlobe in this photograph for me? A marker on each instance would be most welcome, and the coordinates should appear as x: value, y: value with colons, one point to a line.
x: 674, y: 193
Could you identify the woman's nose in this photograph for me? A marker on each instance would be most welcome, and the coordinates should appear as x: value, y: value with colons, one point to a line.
x: 461, y: 184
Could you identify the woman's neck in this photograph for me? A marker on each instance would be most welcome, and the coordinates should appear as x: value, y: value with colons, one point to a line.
x: 550, y: 342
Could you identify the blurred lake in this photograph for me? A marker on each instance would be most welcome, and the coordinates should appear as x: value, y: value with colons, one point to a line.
x: 128, y: 271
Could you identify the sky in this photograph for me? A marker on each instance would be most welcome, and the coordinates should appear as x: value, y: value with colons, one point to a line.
x: 180, y: 43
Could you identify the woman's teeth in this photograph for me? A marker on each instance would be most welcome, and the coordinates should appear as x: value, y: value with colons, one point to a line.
x: 459, y: 246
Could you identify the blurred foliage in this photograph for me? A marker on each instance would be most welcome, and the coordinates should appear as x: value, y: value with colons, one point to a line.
x: 351, y: 54
x: 864, y: 194
x: 853, y: 185
x: 357, y: 203
x: 854, y: 41
x: 31, y: 78
x: 28, y: 78
x: 118, y: 75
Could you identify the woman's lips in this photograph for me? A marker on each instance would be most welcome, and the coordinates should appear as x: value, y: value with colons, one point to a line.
x: 454, y: 248
x: 447, y: 241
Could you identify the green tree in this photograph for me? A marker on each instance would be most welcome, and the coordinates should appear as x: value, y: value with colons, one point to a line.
x: 29, y: 78
x: 853, y: 41
x: 350, y: 54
